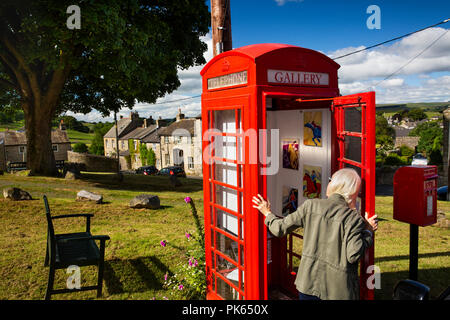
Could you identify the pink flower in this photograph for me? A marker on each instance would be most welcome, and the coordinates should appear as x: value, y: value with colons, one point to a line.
x: 193, y: 262
x: 187, y: 199
x: 163, y: 243
x: 165, y: 277
x: 180, y: 287
x: 188, y: 235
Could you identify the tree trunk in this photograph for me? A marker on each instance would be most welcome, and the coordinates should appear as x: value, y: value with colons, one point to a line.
x: 40, y: 157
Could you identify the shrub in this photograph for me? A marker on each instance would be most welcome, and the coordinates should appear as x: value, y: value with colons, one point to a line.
x: 80, y: 147
x: 393, y: 160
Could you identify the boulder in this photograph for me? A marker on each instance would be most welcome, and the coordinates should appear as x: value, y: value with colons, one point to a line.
x: 70, y: 175
x: 89, y: 196
x: 147, y: 201
x: 16, y: 194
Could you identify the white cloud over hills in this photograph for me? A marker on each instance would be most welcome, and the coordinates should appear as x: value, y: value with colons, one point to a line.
x: 426, y: 78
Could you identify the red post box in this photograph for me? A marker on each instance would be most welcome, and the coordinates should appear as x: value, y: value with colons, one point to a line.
x: 415, y: 195
x: 274, y: 123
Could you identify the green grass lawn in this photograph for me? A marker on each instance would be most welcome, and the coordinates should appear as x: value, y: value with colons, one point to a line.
x: 136, y: 262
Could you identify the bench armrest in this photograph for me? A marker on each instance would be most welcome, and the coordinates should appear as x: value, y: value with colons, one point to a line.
x: 87, y: 215
x: 100, y: 237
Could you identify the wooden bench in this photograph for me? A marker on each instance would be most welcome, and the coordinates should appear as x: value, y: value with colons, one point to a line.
x: 16, y: 166
x: 78, y: 249
x: 59, y: 164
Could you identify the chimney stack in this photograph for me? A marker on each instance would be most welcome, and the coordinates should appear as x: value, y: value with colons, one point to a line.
x: 180, y: 115
x: 62, y: 125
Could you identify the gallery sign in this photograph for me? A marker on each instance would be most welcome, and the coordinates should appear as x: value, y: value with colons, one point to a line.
x: 228, y: 80
x: 297, y: 77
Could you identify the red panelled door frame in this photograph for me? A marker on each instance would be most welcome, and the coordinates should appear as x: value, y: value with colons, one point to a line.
x: 364, y: 103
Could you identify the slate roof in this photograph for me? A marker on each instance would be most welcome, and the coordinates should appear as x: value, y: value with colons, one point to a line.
x: 17, y: 138
x: 125, y: 125
x: 186, y: 124
x: 139, y: 133
x: 153, y: 137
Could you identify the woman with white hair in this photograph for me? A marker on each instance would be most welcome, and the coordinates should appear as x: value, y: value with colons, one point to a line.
x: 335, y: 238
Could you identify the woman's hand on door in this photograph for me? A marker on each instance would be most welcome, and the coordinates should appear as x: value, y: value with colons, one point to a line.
x: 262, y: 205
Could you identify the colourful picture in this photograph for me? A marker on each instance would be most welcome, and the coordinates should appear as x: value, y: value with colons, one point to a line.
x: 312, y: 132
x: 312, y: 182
x: 289, y: 201
x: 290, y: 154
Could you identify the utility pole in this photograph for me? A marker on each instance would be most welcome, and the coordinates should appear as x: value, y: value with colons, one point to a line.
x: 221, y: 26
x: 119, y: 174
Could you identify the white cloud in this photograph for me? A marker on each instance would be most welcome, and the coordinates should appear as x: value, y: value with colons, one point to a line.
x: 191, y: 85
x: 360, y: 72
x: 399, y: 91
x: 386, y: 60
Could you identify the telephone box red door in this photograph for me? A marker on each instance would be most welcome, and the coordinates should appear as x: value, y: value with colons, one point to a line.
x: 354, y: 120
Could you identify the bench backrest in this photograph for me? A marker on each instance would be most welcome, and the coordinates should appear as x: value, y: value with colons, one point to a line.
x: 51, y: 241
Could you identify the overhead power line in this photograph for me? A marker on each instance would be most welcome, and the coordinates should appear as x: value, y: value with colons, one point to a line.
x: 176, y: 100
x: 394, y: 39
x: 414, y: 58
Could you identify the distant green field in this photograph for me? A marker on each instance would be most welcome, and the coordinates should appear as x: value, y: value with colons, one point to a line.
x: 434, y: 107
x: 76, y: 136
x: 12, y: 126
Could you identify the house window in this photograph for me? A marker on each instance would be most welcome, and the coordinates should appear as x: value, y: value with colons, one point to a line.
x: 22, y: 149
x: 191, y: 162
x: 167, y: 159
x: 135, y: 145
x: 55, y: 148
x: 166, y: 139
x: 178, y: 139
x: 122, y: 144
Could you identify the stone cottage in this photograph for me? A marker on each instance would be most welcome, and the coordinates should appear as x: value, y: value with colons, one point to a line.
x: 13, y: 146
x: 181, y: 144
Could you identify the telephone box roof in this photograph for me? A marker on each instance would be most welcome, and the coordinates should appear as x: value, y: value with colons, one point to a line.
x: 256, y: 51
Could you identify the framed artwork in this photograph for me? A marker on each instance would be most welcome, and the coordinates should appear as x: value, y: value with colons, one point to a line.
x: 290, y: 153
x: 312, y: 131
x: 312, y: 182
x: 289, y: 201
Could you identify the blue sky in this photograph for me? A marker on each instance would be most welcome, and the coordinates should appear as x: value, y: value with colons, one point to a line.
x: 335, y: 28
x: 328, y: 25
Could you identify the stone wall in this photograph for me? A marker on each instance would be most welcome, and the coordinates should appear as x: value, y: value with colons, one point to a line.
x: 385, y: 175
x: 93, y: 163
x: 410, y: 142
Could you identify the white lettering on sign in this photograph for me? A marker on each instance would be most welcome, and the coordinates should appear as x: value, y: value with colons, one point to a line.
x: 297, y: 77
x: 228, y: 80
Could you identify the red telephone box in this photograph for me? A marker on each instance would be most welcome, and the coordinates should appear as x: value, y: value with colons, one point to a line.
x: 273, y: 123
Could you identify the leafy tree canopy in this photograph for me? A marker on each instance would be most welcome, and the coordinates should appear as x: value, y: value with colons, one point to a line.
x: 124, y: 51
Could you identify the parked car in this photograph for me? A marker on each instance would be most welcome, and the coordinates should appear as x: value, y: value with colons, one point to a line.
x: 147, y: 170
x: 167, y: 171
x: 419, y: 160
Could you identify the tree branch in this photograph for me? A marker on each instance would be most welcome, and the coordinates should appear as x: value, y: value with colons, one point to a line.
x: 24, y: 87
x: 34, y: 84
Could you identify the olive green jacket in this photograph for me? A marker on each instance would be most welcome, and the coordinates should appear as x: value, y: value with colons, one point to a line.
x: 334, y: 240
